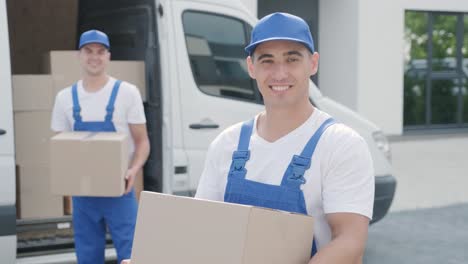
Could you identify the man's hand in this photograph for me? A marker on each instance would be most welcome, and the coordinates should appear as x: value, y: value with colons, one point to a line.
x: 130, y: 179
x: 142, y: 148
x: 125, y: 261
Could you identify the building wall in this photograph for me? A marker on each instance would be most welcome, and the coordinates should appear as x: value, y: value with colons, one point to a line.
x: 338, y: 49
x: 435, y: 5
x: 362, y: 54
x: 380, y: 64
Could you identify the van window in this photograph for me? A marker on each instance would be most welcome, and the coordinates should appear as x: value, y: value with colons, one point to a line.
x: 215, y: 45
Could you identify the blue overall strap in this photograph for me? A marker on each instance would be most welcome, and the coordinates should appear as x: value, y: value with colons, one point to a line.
x: 301, y: 163
x: 244, y: 138
x: 242, y: 154
x: 76, y: 104
x: 310, y: 147
x: 110, y: 105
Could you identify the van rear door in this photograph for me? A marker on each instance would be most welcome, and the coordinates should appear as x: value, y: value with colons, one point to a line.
x: 132, y: 30
x: 7, y: 160
x: 213, y: 83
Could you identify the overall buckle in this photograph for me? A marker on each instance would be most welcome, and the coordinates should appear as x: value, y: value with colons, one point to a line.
x: 239, y: 158
x: 299, y: 165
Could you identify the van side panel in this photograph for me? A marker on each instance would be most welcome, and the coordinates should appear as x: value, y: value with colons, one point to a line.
x: 214, y: 87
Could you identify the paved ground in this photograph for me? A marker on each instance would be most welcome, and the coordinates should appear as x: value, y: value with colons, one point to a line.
x: 423, y: 236
x: 431, y: 170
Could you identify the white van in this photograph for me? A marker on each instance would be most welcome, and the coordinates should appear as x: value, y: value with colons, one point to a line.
x: 197, y: 85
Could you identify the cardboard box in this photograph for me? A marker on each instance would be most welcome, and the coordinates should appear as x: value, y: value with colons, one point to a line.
x: 176, y: 230
x: 32, y: 135
x: 33, y: 92
x: 133, y: 72
x: 66, y: 70
x: 89, y: 164
x: 36, y: 200
x: 67, y: 205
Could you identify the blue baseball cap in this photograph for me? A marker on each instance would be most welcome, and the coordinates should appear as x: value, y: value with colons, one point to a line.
x: 94, y: 36
x: 281, y: 26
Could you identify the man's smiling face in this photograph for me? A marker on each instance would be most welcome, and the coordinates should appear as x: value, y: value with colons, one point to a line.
x: 282, y: 70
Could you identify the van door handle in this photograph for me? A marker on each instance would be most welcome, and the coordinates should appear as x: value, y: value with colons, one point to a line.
x: 204, y: 126
x: 2, y: 132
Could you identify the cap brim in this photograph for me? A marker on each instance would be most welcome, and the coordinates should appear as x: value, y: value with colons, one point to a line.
x: 91, y: 42
x: 250, y: 48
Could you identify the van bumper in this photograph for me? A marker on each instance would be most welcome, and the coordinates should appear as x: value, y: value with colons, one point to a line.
x: 384, y: 192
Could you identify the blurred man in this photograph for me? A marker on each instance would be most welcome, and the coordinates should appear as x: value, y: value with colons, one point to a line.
x: 99, y: 102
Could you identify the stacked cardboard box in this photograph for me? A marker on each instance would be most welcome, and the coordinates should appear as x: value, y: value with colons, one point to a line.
x: 32, y: 105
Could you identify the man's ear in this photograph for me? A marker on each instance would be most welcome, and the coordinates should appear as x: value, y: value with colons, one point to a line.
x: 250, y: 67
x: 315, y: 62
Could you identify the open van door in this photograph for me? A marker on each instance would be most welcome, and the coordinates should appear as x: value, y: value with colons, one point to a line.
x: 214, y: 87
x: 7, y: 154
x: 132, y: 29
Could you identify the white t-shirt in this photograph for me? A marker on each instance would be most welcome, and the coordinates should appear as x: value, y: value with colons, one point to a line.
x: 128, y: 108
x: 340, y: 179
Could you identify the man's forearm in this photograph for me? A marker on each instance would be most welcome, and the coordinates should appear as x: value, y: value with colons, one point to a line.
x: 142, y: 150
x: 341, y: 250
x: 349, y: 237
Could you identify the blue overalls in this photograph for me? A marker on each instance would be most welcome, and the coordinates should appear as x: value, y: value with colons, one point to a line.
x: 288, y: 196
x: 92, y: 214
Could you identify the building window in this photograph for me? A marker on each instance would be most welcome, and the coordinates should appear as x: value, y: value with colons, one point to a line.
x: 436, y: 70
x: 215, y: 46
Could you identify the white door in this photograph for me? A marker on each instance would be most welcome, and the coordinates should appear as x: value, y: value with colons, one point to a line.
x: 7, y: 162
x: 214, y: 87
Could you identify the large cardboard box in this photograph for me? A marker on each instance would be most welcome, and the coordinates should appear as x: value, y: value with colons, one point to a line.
x: 36, y: 200
x: 89, y: 164
x: 66, y: 70
x: 176, y: 230
x: 32, y: 135
x: 33, y: 92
